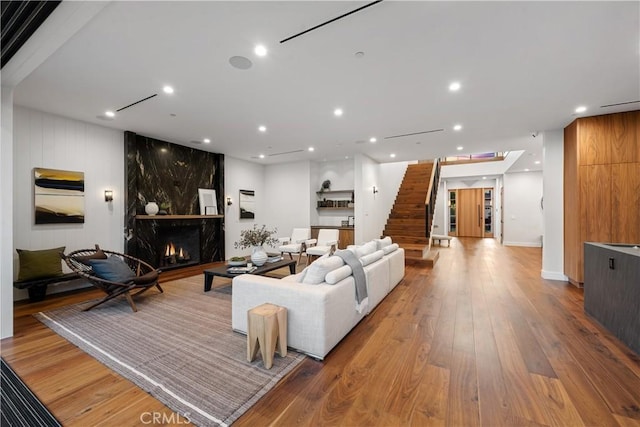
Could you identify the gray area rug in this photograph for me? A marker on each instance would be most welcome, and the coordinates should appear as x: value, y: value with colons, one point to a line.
x: 179, y: 347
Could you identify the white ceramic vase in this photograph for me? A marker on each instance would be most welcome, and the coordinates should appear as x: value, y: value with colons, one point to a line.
x: 258, y: 256
x: 151, y: 208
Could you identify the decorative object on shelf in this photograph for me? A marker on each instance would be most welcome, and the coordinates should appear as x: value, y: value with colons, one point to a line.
x: 247, y: 204
x: 326, y: 185
x: 151, y: 208
x: 207, y: 198
x: 259, y: 255
x: 58, y: 196
x: 108, y: 195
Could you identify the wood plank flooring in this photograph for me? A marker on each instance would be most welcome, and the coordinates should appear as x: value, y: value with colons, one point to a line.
x: 480, y: 339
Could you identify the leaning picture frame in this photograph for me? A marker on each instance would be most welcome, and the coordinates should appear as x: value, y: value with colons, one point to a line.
x: 208, y: 203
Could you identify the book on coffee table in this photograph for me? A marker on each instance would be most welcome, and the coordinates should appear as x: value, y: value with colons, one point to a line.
x: 241, y: 270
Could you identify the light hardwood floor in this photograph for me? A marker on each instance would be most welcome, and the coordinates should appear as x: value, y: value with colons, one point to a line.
x: 479, y: 340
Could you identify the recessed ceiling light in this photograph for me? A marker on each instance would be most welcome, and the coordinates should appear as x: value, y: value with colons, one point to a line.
x: 537, y: 162
x: 109, y: 114
x: 311, y: 148
x: 346, y: 157
x: 262, y: 128
x: 392, y: 155
x: 206, y: 140
x: 526, y: 170
x: 167, y: 89
x: 581, y: 109
x: 260, y: 50
x: 457, y: 127
x: 455, y: 86
x: 460, y: 148
x: 373, y: 139
x: 261, y: 156
x: 484, y: 177
x: 337, y: 112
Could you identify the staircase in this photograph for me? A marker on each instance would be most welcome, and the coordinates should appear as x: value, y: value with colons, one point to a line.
x: 407, y: 222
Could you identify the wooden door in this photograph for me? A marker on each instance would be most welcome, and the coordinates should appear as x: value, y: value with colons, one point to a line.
x: 470, y: 206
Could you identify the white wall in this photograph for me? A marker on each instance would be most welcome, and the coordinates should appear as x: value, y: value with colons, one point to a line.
x: 289, y: 196
x: 242, y: 175
x: 341, y: 175
x: 553, y: 213
x: 6, y: 214
x: 390, y: 176
x: 522, y: 211
x: 441, y: 210
x: 366, y: 176
x: 49, y: 141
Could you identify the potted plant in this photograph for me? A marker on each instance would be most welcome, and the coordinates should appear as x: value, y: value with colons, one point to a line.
x: 255, y: 238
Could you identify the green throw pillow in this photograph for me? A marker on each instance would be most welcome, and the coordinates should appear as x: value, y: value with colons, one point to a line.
x: 40, y: 264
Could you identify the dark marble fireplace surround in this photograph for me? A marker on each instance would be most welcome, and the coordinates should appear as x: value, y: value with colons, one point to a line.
x: 170, y: 175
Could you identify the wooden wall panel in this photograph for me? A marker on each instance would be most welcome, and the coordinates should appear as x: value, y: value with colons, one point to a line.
x: 625, y: 203
x: 597, y: 200
x: 637, y: 123
x: 623, y: 129
x: 594, y: 140
x: 572, y: 214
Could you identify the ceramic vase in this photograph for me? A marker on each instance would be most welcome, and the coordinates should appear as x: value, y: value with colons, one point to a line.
x: 258, y: 256
x: 151, y: 208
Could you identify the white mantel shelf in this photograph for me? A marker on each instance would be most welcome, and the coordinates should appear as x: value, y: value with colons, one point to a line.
x: 163, y: 217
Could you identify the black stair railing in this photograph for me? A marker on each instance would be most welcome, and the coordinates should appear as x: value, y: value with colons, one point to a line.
x: 430, y: 202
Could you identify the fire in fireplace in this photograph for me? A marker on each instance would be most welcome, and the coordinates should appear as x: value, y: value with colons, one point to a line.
x: 179, y: 246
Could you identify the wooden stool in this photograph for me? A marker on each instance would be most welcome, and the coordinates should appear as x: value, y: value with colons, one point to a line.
x: 266, y: 327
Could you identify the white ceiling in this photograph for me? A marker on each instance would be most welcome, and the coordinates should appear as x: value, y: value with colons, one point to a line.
x: 524, y: 67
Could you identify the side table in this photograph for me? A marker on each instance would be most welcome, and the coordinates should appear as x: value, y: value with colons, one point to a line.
x: 266, y: 329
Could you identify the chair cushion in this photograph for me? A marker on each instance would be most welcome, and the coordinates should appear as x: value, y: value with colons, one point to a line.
x: 113, y: 269
x: 292, y: 248
x: 146, y: 279
x: 318, y: 250
x: 40, y: 264
x: 316, y: 272
x: 98, y: 254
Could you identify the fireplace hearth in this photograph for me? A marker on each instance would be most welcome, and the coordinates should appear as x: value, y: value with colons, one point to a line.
x: 178, y: 246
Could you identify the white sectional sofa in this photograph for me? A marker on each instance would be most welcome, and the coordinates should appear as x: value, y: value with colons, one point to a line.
x: 323, y: 310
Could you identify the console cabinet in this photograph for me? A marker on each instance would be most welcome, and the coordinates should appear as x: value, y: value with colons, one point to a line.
x: 346, y: 235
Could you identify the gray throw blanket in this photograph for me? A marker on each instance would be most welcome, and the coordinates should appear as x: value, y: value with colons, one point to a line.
x: 349, y: 258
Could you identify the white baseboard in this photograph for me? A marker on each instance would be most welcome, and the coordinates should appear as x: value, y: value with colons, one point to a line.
x: 553, y: 275
x: 525, y: 244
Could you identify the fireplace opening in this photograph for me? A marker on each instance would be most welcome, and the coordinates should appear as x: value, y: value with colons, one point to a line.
x: 178, y: 247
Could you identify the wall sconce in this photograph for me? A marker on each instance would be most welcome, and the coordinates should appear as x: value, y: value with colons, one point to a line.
x: 375, y: 190
x: 229, y: 202
x: 108, y: 195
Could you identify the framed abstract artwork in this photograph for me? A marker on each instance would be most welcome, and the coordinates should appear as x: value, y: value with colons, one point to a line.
x: 247, y: 204
x: 58, y: 196
x: 208, y: 203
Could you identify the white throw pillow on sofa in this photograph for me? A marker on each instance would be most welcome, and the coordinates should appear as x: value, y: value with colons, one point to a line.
x: 337, y: 275
x: 388, y: 249
x: 371, y: 258
x: 366, y: 249
x: 317, y: 271
x: 382, y: 243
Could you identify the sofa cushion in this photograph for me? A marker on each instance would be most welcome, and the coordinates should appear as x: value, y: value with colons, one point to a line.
x: 366, y: 249
x: 382, y: 243
x: 317, y: 271
x: 112, y: 269
x: 337, y: 275
x: 40, y: 264
x: 371, y: 258
x: 388, y: 249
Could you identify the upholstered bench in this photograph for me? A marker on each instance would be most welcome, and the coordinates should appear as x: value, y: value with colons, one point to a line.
x: 440, y: 238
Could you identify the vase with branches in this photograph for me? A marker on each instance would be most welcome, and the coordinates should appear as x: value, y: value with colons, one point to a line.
x: 255, y: 238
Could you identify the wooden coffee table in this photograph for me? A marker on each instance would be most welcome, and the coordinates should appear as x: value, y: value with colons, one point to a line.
x: 267, y: 267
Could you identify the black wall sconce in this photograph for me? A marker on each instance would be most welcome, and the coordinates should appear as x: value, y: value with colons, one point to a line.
x: 229, y: 202
x: 108, y: 195
x: 375, y: 190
